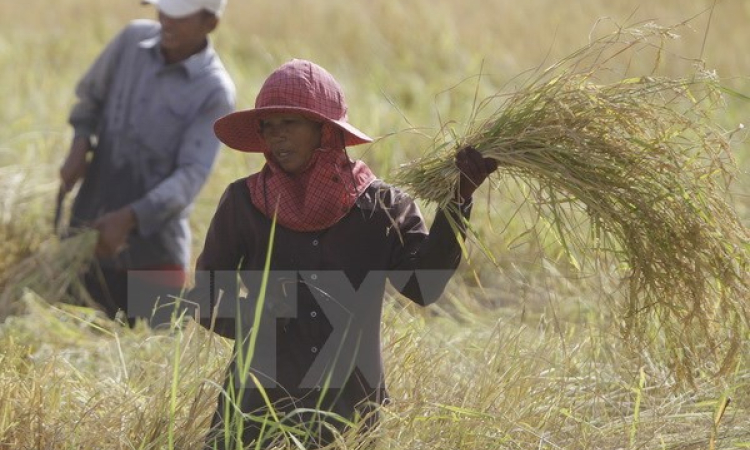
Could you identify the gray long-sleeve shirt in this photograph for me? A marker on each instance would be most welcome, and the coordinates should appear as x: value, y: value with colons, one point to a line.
x: 155, y: 146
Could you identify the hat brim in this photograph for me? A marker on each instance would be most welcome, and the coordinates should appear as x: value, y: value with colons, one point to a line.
x: 174, y: 9
x: 241, y: 130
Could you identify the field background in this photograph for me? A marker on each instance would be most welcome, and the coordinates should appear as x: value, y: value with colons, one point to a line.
x: 521, y: 353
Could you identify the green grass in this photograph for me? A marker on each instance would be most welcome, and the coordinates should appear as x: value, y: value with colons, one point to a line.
x: 523, y: 351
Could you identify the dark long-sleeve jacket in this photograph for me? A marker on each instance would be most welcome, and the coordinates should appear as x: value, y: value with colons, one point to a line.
x: 320, y: 312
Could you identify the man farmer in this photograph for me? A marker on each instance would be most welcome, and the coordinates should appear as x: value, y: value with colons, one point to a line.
x: 144, y: 145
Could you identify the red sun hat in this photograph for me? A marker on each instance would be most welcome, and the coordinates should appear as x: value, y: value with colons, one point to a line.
x: 298, y: 87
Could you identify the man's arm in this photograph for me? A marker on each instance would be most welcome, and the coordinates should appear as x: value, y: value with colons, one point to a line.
x: 85, y: 115
x: 173, y: 194
x: 93, y: 87
x: 114, y: 229
x: 75, y: 164
x: 195, y: 159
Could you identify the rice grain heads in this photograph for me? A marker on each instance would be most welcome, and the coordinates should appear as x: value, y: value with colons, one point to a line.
x: 642, y: 160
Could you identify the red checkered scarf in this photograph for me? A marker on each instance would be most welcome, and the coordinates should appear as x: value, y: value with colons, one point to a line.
x: 318, y: 197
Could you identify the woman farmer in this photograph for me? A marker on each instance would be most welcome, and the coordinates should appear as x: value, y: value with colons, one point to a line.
x: 307, y: 342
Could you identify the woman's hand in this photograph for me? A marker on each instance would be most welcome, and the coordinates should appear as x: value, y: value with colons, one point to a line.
x: 474, y: 170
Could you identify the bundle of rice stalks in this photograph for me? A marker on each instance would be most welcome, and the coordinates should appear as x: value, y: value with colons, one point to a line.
x: 21, y: 219
x: 643, y: 163
x: 30, y: 258
x: 53, y: 272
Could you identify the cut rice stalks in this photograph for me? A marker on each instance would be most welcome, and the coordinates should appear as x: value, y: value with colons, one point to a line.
x: 53, y: 272
x: 642, y: 161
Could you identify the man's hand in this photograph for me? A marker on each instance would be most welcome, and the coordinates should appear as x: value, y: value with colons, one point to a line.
x: 74, y: 167
x: 114, y: 229
x: 474, y: 170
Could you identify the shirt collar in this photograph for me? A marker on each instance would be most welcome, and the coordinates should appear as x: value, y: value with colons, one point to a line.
x: 193, y: 66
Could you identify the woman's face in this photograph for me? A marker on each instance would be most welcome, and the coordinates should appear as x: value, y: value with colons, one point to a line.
x: 292, y: 139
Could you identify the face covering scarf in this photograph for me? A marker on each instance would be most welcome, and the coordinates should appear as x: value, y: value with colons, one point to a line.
x: 317, y: 198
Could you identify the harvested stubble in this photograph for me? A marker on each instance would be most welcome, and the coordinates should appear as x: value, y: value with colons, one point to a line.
x: 642, y: 162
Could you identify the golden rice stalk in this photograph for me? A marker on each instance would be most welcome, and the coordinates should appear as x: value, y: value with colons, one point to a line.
x: 53, y: 272
x: 22, y: 215
x: 642, y: 161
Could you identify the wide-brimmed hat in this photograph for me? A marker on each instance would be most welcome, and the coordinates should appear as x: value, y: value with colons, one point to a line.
x: 297, y: 87
x: 184, y: 8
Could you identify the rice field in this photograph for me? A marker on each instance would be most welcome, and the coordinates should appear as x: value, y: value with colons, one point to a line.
x: 525, y: 351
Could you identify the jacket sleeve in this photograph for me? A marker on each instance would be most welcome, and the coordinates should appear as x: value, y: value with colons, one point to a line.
x: 431, y: 258
x: 92, y: 89
x: 216, y: 285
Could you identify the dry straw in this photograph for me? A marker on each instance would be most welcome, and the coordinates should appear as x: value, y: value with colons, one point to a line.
x: 644, y: 164
x: 30, y: 258
x: 52, y: 272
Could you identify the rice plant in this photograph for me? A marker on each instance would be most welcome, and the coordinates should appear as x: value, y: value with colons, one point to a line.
x: 633, y: 171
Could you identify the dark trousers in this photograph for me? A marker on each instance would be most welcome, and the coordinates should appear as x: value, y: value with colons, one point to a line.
x: 314, y: 429
x: 137, y: 296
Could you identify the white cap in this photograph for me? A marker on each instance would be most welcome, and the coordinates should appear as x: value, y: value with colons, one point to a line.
x: 183, y: 8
